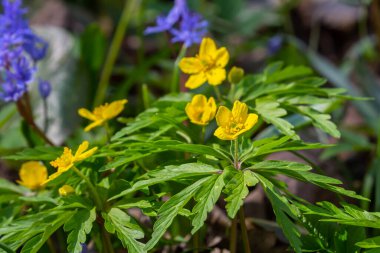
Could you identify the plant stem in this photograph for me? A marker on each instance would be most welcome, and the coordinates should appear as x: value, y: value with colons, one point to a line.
x: 108, y: 132
x: 196, y: 242
x: 92, y: 188
x: 114, y: 50
x: 217, y: 92
x: 175, y: 78
x: 244, y: 230
x: 45, y: 113
x: 24, y: 109
x: 203, y: 135
x: 233, y: 235
x: 236, y: 155
x: 107, y: 244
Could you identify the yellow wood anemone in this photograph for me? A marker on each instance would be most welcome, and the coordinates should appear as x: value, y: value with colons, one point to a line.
x: 102, y: 113
x: 234, y: 123
x: 67, y: 159
x: 209, y: 65
x: 32, y: 175
x: 200, y: 110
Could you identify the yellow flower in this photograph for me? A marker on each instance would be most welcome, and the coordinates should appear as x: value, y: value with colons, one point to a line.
x: 65, y: 190
x: 235, y: 75
x: 102, y: 113
x: 208, y: 65
x: 200, y: 111
x: 67, y: 159
x: 32, y: 175
x: 232, y: 124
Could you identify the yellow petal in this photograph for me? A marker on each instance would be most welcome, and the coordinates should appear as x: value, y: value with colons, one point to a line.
x: 251, y: 121
x: 86, y: 154
x: 207, y: 48
x: 82, y: 147
x: 240, y: 111
x: 223, y: 116
x: 86, y: 114
x: 209, y: 111
x: 32, y: 175
x: 54, y: 176
x: 190, y: 65
x: 222, y: 57
x: 114, y: 109
x: 216, y: 76
x: 196, y: 80
x: 221, y: 134
x: 65, y: 190
x: 199, y: 100
x: 93, y: 125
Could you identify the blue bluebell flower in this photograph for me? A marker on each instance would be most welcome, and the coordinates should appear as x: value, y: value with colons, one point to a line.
x: 20, y: 49
x: 44, y: 88
x: 191, y: 29
x: 184, y: 25
x: 11, y: 88
x: 165, y: 23
x: 274, y: 44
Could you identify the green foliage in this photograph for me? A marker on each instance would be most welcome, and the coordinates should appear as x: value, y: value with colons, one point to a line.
x: 78, y: 226
x: 127, y: 230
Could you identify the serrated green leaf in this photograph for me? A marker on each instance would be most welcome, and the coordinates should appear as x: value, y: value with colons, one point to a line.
x: 270, y: 111
x: 274, y: 164
x: 320, y: 120
x: 170, y: 173
x: 170, y: 210
x: 289, y: 72
x: 206, y: 198
x: 78, y: 226
x: 283, y: 210
x: 127, y: 230
x: 34, y: 245
x: 236, y: 190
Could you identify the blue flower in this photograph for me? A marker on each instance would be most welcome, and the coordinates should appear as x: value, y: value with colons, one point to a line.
x: 184, y: 26
x: 35, y: 46
x: 274, y: 44
x: 44, y: 88
x: 20, y: 49
x: 191, y: 29
x: 11, y: 88
x: 165, y: 23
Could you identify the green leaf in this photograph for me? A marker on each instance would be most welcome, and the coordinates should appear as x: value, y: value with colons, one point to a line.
x: 370, y: 243
x: 289, y: 72
x: 270, y: 111
x: 33, y: 245
x: 320, y: 120
x: 78, y: 226
x: 273, y: 164
x: 6, y: 186
x: 349, y: 215
x: 41, y: 153
x: 170, y: 173
x: 127, y: 230
x: 206, y: 198
x: 236, y: 190
x: 170, y: 210
x: 283, y: 211
x: 6, y: 248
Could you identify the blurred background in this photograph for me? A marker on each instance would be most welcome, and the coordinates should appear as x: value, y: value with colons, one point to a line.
x: 338, y: 39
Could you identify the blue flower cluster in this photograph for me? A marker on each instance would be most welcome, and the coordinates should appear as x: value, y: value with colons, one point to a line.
x: 20, y: 50
x: 184, y: 25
